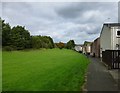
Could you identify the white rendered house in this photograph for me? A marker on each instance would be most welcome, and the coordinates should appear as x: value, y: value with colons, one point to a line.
x: 86, y: 47
x: 110, y: 37
x: 78, y: 48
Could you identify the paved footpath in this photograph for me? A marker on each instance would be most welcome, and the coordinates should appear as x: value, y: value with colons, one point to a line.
x: 98, y: 77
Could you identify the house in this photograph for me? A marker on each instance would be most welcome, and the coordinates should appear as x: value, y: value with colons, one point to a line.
x: 87, y: 47
x: 78, y: 48
x: 110, y: 37
x: 95, y: 48
x: 92, y: 49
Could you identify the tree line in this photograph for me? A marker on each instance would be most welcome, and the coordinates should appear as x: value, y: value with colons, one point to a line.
x: 18, y: 38
x: 69, y: 45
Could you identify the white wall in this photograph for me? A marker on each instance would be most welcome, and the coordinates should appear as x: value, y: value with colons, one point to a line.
x: 105, y: 39
x: 83, y: 50
x: 114, y: 38
x: 88, y: 48
x: 108, y: 39
x: 78, y: 48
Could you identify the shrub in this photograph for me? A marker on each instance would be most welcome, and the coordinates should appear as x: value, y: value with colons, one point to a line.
x: 8, y: 48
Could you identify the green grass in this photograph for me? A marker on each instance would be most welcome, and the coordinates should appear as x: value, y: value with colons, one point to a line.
x: 0, y: 70
x: 43, y: 70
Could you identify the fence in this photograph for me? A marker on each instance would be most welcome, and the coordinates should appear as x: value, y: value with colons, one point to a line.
x: 111, y: 58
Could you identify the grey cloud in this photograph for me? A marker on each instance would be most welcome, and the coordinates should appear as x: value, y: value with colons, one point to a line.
x: 20, y: 8
x: 119, y: 12
x: 63, y: 21
x: 77, y: 9
x: 0, y: 9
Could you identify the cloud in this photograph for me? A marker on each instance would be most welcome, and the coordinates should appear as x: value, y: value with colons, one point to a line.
x: 119, y: 12
x: 62, y: 21
x: 59, y: 0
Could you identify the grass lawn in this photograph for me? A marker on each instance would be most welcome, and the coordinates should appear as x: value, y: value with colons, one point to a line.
x: 0, y: 70
x: 43, y: 70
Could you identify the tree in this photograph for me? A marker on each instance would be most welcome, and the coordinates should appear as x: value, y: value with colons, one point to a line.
x: 36, y: 42
x: 42, y: 42
x: 47, y: 42
x: 70, y: 44
x: 20, y: 37
x: 6, y: 34
x: 60, y: 45
x: 0, y: 32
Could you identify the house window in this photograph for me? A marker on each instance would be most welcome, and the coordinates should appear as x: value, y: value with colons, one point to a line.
x: 118, y: 33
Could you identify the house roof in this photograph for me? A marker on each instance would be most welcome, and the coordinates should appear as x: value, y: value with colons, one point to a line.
x: 111, y: 24
x: 78, y: 44
x: 96, y: 39
x: 86, y: 43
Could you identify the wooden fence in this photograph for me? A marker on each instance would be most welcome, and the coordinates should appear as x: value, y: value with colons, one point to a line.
x: 111, y: 58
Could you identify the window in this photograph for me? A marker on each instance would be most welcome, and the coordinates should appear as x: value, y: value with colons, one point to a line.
x: 118, y: 33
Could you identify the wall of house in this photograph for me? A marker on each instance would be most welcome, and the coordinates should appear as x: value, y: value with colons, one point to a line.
x: 119, y: 43
x: 78, y: 48
x: 97, y: 47
x: 92, y: 49
x: 105, y: 39
x: 83, y: 50
x: 119, y: 39
x: 88, y: 48
x: 114, y: 38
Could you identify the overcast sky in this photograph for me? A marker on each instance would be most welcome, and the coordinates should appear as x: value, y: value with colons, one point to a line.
x: 80, y: 21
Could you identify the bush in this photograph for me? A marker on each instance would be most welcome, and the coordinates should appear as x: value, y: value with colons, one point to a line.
x: 7, y: 48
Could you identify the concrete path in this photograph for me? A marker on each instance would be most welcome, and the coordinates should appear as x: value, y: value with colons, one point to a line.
x: 99, y: 78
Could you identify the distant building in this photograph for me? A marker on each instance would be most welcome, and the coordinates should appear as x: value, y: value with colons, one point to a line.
x: 92, y: 49
x: 78, y: 48
x: 110, y: 37
x: 95, y: 48
x: 87, y: 47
